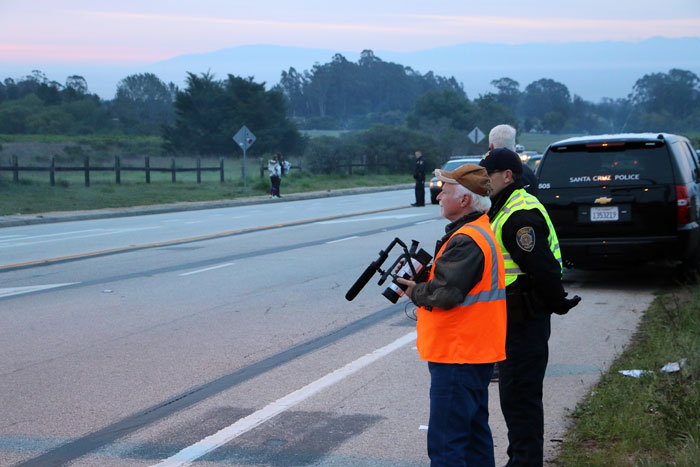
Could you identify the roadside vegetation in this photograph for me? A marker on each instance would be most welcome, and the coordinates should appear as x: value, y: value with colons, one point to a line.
x: 33, y: 194
x: 653, y: 420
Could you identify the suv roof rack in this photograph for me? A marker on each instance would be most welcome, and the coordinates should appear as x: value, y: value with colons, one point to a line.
x: 473, y: 156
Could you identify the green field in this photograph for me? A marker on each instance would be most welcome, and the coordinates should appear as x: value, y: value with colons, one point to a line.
x: 539, y: 141
x: 33, y: 194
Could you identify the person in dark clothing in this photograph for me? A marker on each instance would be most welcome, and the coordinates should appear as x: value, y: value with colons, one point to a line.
x: 419, y: 176
x: 534, y: 290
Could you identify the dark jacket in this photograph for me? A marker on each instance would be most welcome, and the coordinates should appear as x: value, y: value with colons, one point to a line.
x: 419, y: 170
x: 542, y: 279
x: 456, y: 272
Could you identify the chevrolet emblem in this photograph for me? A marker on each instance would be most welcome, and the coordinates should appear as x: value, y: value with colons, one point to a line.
x: 603, y: 200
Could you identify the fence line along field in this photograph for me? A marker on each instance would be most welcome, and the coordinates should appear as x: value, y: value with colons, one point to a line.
x: 117, y: 168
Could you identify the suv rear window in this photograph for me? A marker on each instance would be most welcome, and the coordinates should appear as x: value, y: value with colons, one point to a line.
x: 616, y: 164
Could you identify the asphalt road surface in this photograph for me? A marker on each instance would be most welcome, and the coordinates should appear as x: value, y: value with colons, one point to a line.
x: 222, y: 337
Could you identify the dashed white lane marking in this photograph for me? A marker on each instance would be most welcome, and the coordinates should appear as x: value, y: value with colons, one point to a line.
x: 218, y: 439
x: 342, y: 239
x: 374, y: 218
x: 426, y: 222
x: 206, y: 269
x: 59, y: 237
x: 8, y: 292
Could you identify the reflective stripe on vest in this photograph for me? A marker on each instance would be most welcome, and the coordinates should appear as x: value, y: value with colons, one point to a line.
x: 522, y: 200
x: 473, y: 331
x: 495, y: 293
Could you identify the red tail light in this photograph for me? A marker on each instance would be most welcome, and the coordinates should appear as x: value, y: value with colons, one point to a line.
x: 683, y: 202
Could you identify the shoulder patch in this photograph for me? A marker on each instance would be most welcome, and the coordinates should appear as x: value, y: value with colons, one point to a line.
x: 525, y: 238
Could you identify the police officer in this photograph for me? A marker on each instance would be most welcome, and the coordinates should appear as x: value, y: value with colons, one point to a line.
x: 419, y: 176
x: 533, y: 291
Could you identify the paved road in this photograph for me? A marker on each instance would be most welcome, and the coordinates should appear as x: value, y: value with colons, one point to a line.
x: 130, y: 358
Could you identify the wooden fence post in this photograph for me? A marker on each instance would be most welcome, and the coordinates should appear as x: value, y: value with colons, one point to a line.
x: 15, y: 169
x: 172, y: 168
x: 117, y: 169
x: 52, y: 171
x: 199, y: 170
x: 147, y: 164
x: 86, y: 166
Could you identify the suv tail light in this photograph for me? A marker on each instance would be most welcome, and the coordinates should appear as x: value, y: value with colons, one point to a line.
x: 683, y: 202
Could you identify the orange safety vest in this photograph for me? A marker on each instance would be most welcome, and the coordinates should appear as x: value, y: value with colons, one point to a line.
x: 475, y: 330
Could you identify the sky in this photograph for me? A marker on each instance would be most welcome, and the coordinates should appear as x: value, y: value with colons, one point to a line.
x: 131, y: 32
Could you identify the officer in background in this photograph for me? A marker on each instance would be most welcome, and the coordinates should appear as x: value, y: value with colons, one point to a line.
x: 503, y: 136
x: 534, y: 290
x: 419, y: 176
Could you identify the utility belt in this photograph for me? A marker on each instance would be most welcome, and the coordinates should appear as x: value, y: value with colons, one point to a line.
x: 522, y: 301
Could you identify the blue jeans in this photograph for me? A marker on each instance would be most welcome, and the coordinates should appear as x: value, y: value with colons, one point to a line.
x: 458, y: 430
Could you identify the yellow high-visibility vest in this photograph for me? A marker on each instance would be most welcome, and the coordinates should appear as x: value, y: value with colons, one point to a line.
x: 522, y: 200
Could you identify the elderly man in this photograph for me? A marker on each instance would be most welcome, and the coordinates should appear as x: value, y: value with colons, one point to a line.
x: 534, y: 290
x: 461, y: 321
x: 503, y: 136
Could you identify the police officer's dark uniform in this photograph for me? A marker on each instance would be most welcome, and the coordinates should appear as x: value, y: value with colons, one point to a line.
x: 533, y: 291
x: 419, y: 176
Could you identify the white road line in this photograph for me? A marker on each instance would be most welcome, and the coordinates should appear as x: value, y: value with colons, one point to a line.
x: 374, y: 218
x: 426, y: 222
x: 60, y: 234
x: 342, y: 239
x: 99, y: 233
x: 8, y: 292
x: 218, y: 439
x: 206, y: 269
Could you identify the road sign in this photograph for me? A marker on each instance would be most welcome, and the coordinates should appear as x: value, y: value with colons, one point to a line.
x: 476, y: 135
x: 244, y: 138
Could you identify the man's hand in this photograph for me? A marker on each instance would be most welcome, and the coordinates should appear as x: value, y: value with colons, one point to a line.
x: 567, y: 304
x: 407, y: 282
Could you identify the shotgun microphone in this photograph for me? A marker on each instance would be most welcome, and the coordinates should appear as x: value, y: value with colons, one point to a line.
x: 366, y: 276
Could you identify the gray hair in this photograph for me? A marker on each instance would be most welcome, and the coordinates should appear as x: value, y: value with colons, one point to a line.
x: 502, y: 136
x: 477, y: 202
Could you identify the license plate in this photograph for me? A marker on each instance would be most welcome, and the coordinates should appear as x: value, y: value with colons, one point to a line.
x: 608, y: 213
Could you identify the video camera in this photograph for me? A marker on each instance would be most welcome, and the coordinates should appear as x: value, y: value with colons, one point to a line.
x: 414, y: 263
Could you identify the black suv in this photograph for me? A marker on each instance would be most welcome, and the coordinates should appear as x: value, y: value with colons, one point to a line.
x: 623, y: 198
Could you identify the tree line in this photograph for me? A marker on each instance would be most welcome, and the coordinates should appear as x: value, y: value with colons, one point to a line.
x: 390, y: 101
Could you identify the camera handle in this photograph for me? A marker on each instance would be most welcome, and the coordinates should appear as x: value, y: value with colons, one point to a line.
x: 405, y: 256
x: 376, y: 265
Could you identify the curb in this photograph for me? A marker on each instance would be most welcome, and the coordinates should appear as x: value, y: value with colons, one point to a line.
x: 69, y: 216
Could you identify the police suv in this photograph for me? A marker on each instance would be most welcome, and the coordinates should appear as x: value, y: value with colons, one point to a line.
x: 623, y: 198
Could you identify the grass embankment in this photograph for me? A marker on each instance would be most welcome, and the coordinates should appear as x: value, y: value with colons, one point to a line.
x: 653, y: 420
x: 33, y: 194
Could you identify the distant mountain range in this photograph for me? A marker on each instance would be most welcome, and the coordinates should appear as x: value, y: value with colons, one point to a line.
x: 592, y: 70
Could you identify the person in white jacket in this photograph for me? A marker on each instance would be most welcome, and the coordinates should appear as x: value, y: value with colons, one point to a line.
x: 275, y: 169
